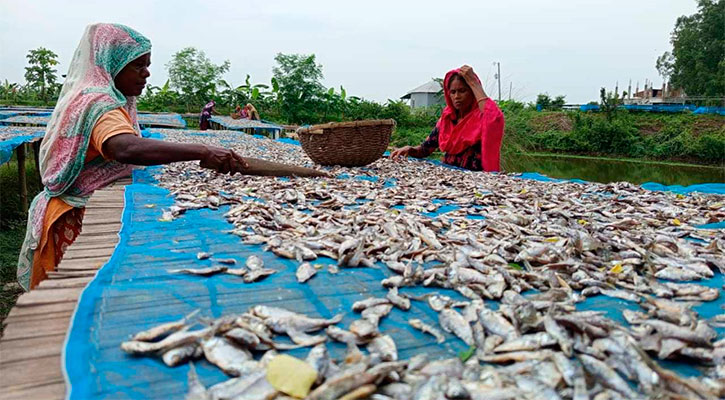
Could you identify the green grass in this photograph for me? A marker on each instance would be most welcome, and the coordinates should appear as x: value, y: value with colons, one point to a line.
x: 12, y: 228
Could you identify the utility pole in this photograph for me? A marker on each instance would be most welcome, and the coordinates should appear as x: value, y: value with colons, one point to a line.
x: 498, y: 76
x: 511, y: 87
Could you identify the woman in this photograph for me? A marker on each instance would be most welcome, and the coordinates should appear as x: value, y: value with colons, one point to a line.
x: 251, y: 112
x: 240, y: 113
x: 206, y: 113
x: 470, y: 128
x: 93, y: 138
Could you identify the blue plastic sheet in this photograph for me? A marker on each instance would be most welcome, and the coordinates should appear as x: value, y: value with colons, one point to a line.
x: 661, y: 108
x: 134, y: 291
x: 7, y: 146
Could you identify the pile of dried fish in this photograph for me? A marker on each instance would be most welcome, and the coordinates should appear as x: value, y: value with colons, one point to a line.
x: 567, y: 241
x: 531, y: 348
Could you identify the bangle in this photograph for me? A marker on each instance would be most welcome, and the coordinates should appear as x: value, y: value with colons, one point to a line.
x: 480, y: 100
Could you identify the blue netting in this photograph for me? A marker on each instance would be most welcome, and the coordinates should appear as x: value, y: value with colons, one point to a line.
x: 161, y: 120
x: 661, y: 108
x: 133, y: 291
x: 23, y: 135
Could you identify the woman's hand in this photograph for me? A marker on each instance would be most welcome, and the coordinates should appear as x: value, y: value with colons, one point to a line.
x: 469, y: 76
x: 402, y: 152
x: 222, y: 160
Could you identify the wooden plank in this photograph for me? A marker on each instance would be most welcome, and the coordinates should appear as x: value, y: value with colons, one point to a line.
x: 28, y: 348
x: 48, y: 297
x: 36, y: 328
x: 49, y: 284
x: 38, y: 371
x: 70, y: 274
x: 96, y: 229
x: 93, y: 246
x: 41, y: 310
x: 75, y: 254
x: 36, y: 317
x: 54, y: 390
x: 83, y: 263
x: 95, y: 239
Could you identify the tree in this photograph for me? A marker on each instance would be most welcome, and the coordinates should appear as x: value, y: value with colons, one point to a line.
x: 40, y: 73
x: 543, y: 101
x: 558, y: 103
x: 297, y: 77
x: 697, y: 61
x: 194, y: 75
x: 609, y: 102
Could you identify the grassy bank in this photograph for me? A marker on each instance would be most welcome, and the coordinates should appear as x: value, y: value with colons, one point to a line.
x: 684, y: 138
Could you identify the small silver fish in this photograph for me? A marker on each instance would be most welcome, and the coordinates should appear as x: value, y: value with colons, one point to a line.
x: 385, y: 346
x: 227, y: 261
x: 256, y: 274
x: 163, y: 329
x: 425, y: 328
x: 254, y: 262
x: 304, y: 272
x: 397, y: 300
x: 203, y: 255
x: 361, y: 305
x: 209, y: 271
x: 453, y: 322
x: 182, y: 354
x: 228, y: 357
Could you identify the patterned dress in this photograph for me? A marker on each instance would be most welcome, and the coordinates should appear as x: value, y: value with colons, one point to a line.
x: 469, y: 159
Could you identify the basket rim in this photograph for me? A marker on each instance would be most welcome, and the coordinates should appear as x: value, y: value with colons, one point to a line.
x: 347, y: 124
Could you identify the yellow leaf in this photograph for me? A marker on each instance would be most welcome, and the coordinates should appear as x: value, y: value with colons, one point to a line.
x: 676, y: 222
x: 582, y: 222
x: 680, y: 196
x: 552, y: 239
x: 523, y: 191
x: 291, y: 375
x: 616, y: 269
x: 478, y: 194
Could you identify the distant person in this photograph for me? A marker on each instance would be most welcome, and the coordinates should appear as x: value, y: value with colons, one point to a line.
x: 93, y: 139
x: 470, y: 129
x: 206, y: 113
x: 240, y: 113
x: 252, y: 112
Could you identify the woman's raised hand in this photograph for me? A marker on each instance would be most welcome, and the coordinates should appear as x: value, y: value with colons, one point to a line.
x: 222, y: 160
x: 466, y: 71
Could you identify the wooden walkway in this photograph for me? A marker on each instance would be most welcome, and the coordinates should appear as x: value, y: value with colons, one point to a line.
x: 30, y: 350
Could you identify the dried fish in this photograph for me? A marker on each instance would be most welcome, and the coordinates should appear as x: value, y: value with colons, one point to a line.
x: 200, y: 271
x: 304, y: 272
x: 425, y: 328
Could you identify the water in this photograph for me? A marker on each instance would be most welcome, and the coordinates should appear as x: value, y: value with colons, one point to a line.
x: 606, y: 170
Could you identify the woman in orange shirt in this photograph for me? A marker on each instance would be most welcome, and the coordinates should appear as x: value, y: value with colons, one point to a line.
x: 93, y: 139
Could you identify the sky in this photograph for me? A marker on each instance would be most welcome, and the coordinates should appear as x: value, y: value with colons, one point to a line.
x: 378, y: 50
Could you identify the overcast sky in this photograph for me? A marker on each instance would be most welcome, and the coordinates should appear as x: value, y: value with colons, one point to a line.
x: 376, y: 49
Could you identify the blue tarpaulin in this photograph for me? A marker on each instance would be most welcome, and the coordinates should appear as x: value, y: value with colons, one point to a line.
x: 134, y: 291
x: 18, y: 136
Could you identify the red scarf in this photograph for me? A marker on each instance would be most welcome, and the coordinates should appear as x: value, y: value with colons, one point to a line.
x: 477, y: 128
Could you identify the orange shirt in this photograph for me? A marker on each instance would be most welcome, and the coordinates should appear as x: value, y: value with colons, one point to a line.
x: 110, y: 124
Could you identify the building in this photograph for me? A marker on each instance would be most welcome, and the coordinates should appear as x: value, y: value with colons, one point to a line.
x: 426, y: 95
x: 650, y: 95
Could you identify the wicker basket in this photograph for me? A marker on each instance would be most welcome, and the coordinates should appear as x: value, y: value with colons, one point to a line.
x: 349, y: 144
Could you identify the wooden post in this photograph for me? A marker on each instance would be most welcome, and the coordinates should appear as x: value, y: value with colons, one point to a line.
x: 36, y: 153
x: 20, y: 151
